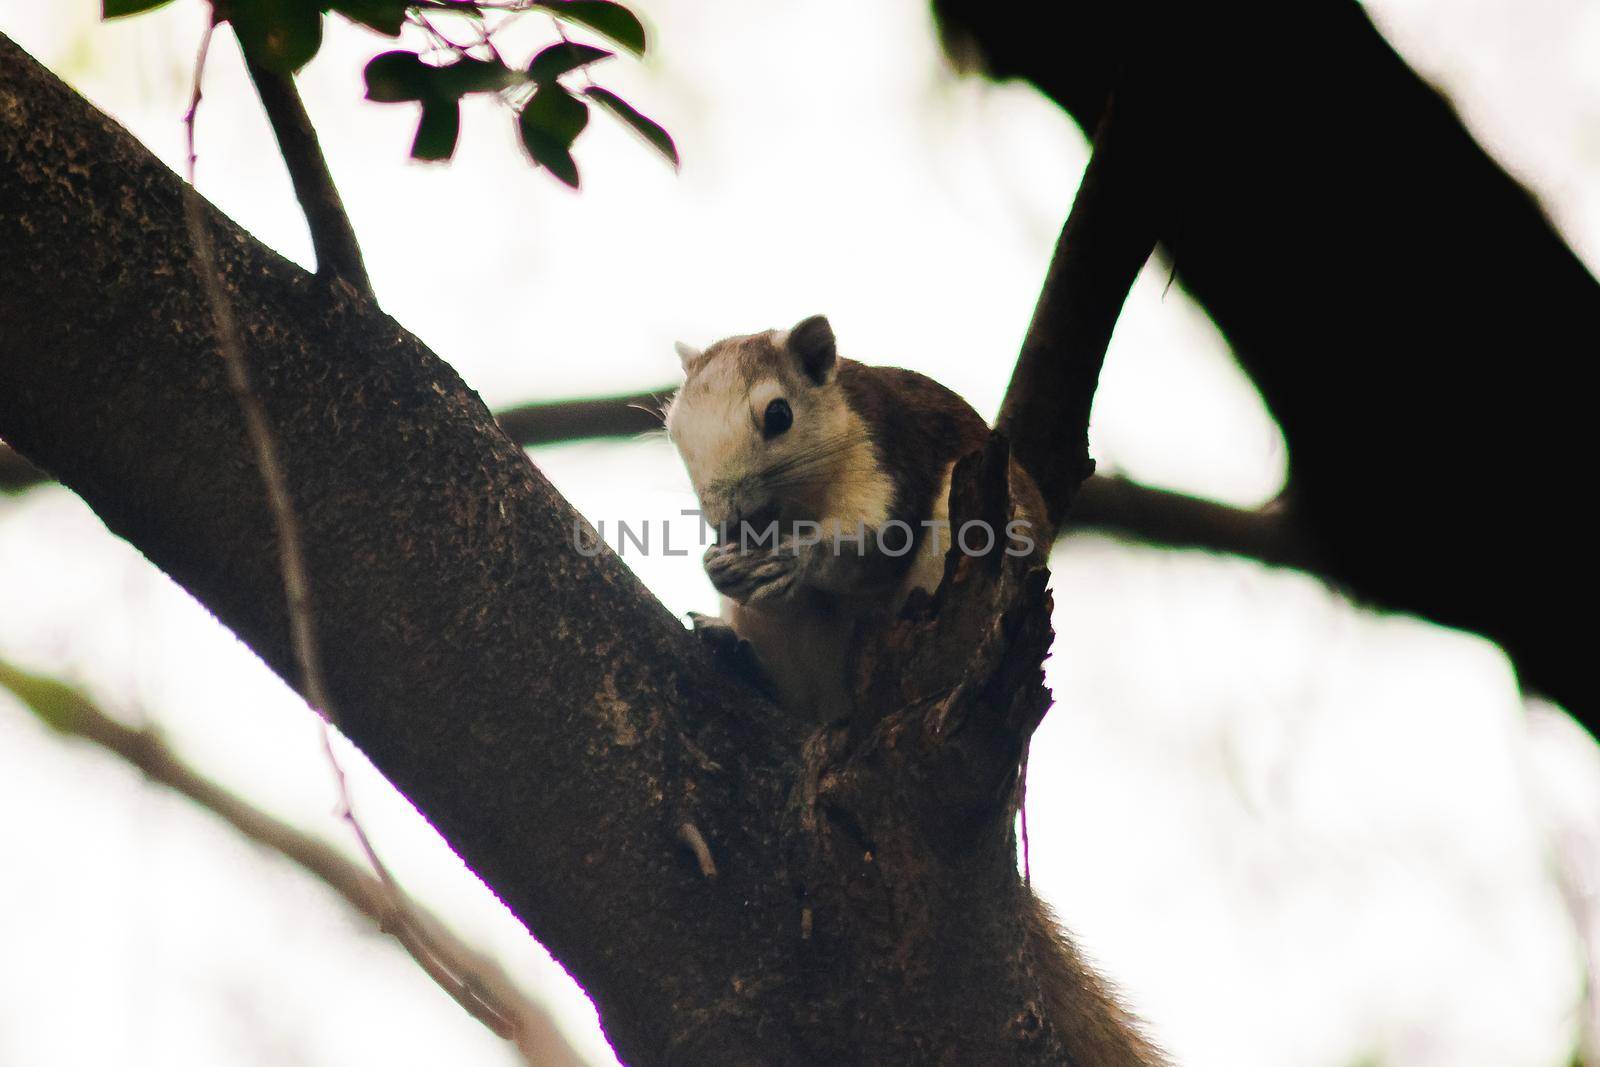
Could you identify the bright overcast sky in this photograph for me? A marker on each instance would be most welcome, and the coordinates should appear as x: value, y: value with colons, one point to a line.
x: 1296, y: 833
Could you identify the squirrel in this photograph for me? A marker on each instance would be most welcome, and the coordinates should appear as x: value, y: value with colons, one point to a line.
x: 828, y: 483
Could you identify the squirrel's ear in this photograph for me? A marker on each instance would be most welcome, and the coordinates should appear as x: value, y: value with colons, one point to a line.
x: 812, y: 343
x: 687, y: 354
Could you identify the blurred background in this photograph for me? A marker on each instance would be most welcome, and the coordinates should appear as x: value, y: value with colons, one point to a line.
x: 1295, y: 832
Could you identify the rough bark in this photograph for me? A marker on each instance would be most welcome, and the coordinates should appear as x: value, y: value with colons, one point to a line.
x: 555, y: 723
x: 539, y: 423
x: 906, y: 868
x: 1412, y: 319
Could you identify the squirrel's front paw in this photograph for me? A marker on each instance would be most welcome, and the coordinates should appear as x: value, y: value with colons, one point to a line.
x: 730, y: 650
x: 748, y: 575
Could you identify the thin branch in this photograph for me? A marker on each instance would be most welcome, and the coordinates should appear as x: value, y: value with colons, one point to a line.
x: 292, y: 565
x: 332, y: 235
x: 72, y: 714
x: 999, y: 613
x: 1109, y: 234
x: 1125, y: 508
x: 399, y: 917
x: 274, y: 479
x: 626, y: 415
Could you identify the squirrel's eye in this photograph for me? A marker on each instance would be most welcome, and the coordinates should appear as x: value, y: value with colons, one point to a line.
x: 777, y: 419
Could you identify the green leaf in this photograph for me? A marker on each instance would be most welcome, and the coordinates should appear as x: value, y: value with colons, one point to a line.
x: 549, y: 124
x: 396, y: 76
x: 112, y: 9
x: 57, y: 704
x: 651, y: 131
x: 385, y: 16
x: 549, y: 153
x: 555, y: 113
x: 602, y: 16
x: 437, y: 131
x: 471, y: 75
x: 402, y: 75
x: 281, y: 35
x: 562, y: 58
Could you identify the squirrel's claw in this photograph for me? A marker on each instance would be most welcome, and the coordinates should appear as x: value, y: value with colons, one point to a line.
x: 718, y: 633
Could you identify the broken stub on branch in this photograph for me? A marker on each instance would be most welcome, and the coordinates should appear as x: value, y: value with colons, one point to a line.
x: 907, y: 810
x: 970, y: 654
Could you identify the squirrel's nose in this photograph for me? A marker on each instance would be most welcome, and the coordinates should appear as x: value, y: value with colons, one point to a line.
x: 757, y: 521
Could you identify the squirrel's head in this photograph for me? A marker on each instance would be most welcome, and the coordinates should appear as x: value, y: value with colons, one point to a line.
x: 762, y: 425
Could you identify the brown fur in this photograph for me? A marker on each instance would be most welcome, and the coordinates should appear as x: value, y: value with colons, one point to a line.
x: 1096, y: 1030
x: 918, y: 428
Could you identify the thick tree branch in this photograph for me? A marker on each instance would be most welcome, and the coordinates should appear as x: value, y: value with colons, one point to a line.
x: 473, y: 979
x: 333, y: 238
x: 548, y: 715
x: 1108, y: 235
